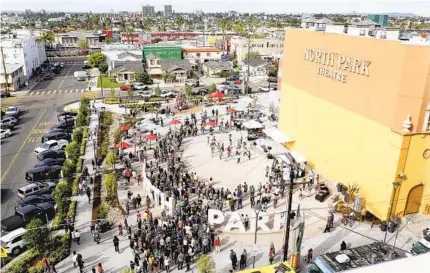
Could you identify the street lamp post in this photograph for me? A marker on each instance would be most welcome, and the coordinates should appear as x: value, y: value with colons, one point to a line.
x: 396, y: 185
x: 257, y: 210
x: 287, y: 229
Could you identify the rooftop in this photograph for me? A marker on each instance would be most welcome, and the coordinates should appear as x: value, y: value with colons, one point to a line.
x: 357, y: 257
x: 10, y: 68
x: 201, y: 49
x: 161, y: 45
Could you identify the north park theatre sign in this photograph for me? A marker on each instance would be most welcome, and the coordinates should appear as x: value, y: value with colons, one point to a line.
x: 334, y: 65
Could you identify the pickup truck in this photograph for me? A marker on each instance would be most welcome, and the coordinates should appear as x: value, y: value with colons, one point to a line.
x: 25, y: 214
x: 52, y: 145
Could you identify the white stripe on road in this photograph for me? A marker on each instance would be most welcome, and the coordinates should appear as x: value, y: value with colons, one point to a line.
x: 82, y: 90
x: 67, y: 91
x: 55, y: 91
x: 48, y: 92
x: 77, y: 91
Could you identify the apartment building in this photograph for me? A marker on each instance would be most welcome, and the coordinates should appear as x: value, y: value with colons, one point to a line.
x: 267, y: 48
x: 70, y: 39
x: 15, y: 77
x: 200, y: 55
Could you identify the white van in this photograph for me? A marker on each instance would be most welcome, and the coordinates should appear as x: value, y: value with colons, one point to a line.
x: 13, y: 242
x: 80, y: 75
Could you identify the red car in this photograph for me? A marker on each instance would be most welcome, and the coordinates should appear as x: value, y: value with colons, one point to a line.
x: 126, y: 87
x: 237, y: 82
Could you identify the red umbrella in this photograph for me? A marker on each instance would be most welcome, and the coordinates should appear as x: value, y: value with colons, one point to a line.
x: 211, y: 123
x: 231, y: 110
x: 124, y: 128
x: 122, y: 145
x: 217, y: 95
x: 151, y: 137
x: 175, y: 121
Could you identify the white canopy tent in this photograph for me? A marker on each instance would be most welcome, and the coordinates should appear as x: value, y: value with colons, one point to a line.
x: 277, y: 136
x: 252, y: 124
x: 298, y: 157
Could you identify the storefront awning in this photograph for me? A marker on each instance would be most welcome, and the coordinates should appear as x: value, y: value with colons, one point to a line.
x: 298, y: 157
x: 277, y: 136
x: 252, y: 124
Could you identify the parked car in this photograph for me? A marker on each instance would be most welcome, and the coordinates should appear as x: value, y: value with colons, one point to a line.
x: 50, y: 154
x: 140, y: 86
x: 12, y: 110
x: 50, y: 162
x: 5, y: 133
x: 25, y: 214
x: 145, y: 94
x: 13, y: 242
x: 192, y: 82
x: 233, y: 78
x: 51, y: 145
x: 126, y: 87
x: 73, y: 114
x: 10, y: 119
x: 35, y: 199
x: 54, y: 134
x: 167, y: 94
x: 234, y: 89
x: 63, y: 124
x: 66, y: 117
x: 44, y: 173
x: 46, y: 77
x: 7, y: 125
x: 201, y: 91
x: 266, y: 88
x: 420, y: 247
x: 272, y: 79
x: 35, y: 189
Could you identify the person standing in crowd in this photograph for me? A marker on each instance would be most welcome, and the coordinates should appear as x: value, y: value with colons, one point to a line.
x: 217, y: 244
x: 242, y: 261
x: 310, y: 255
x: 343, y: 245
x: 233, y: 259
x: 116, y: 243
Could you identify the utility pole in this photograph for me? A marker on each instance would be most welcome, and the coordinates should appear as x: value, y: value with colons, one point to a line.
x: 5, y: 74
x: 249, y: 53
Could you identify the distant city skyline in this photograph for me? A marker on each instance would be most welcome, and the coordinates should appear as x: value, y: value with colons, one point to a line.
x: 418, y: 7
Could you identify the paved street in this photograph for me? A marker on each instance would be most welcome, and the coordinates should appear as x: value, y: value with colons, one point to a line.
x: 65, y: 79
x: 38, y: 115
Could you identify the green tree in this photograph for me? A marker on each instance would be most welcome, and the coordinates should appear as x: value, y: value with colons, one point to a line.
x: 48, y: 38
x: 72, y: 150
x: 273, y: 72
x: 68, y: 168
x: 188, y: 90
x: 37, y: 235
x: 206, y: 264
x: 143, y: 77
x: 212, y: 87
x: 111, y: 160
x: 96, y: 59
x: 179, y: 21
x: 112, y: 93
x: 78, y: 134
x: 109, y: 183
x: 157, y: 91
x: 103, y: 67
x: 61, y: 193
x: 252, y: 55
x: 130, y: 92
x: 83, y: 44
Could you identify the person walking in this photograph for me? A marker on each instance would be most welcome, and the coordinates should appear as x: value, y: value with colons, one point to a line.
x: 88, y: 191
x: 331, y: 219
x: 180, y: 261
x: 74, y: 258
x: 242, y: 261
x: 310, y: 255
x: 100, y: 268
x: 188, y: 262
x: 343, y: 245
x: 77, y: 237
x: 271, y: 255
x: 167, y: 264
x: 217, y: 244
x: 233, y: 259
x: 116, y: 243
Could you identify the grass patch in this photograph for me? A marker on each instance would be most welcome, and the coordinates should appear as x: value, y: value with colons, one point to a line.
x: 107, y: 83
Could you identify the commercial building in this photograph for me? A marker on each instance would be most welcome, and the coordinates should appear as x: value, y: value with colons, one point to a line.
x: 380, y: 19
x: 267, y: 48
x: 358, y: 109
x: 168, y: 10
x: 164, y: 51
x: 69, y: 40
x: 170, y: 36
x: 24, y: 50
x: 148, y: 10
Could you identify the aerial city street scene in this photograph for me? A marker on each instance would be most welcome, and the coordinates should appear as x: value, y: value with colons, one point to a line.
x: 215, y: 136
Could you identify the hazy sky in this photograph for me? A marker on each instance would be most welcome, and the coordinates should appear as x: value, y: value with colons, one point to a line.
x: 420, y: 7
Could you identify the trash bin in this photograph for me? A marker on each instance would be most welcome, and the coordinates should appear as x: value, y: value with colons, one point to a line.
x: 391, y: 227
x: 384, y: 226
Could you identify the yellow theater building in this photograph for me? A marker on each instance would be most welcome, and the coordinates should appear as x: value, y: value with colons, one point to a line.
x: 358, y: 109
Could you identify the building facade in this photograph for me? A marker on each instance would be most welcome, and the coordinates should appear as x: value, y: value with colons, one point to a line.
x: 24, y: 50
x: 358, y: 109
x: 15, y: 77
x: 380, y: 19
x: 148, y: 10
x: 168, y: 10
x: 199, y: 55
x: 267, y: 48
x: 164, y: 51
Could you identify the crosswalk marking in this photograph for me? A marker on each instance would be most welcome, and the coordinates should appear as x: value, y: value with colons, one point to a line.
x: 77, y: 90
x: 48, y: 92
x: 67, y: 91
x: 55, y: 91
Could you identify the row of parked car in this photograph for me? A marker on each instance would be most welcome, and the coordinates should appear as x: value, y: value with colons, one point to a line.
x: 52, y: 71
x: 35, y: 198
x: 9, y: 121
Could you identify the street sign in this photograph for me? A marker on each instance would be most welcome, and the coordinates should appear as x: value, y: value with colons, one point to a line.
x: 3, y: 252
x: 254, y: 250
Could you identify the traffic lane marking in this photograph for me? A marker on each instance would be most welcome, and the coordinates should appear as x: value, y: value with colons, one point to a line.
x: 22, y: 146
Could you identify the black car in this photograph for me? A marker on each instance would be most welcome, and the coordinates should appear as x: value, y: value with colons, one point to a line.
x: 62, y: 114
x: 25, y: 214
x: 50, y: 154
x: 56, y: 135
x: 233, y: 78
x: 50, y: 162
x: 6, y: 125
x: 63, y: 124
x: 39, y: 174
x: 35, y: 199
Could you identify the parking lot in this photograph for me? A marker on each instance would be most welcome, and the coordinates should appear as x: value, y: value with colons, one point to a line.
x: 64, y: 80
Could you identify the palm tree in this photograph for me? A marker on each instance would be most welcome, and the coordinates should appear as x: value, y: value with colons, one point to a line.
x: 223, y: 24
x: 48, y: 38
